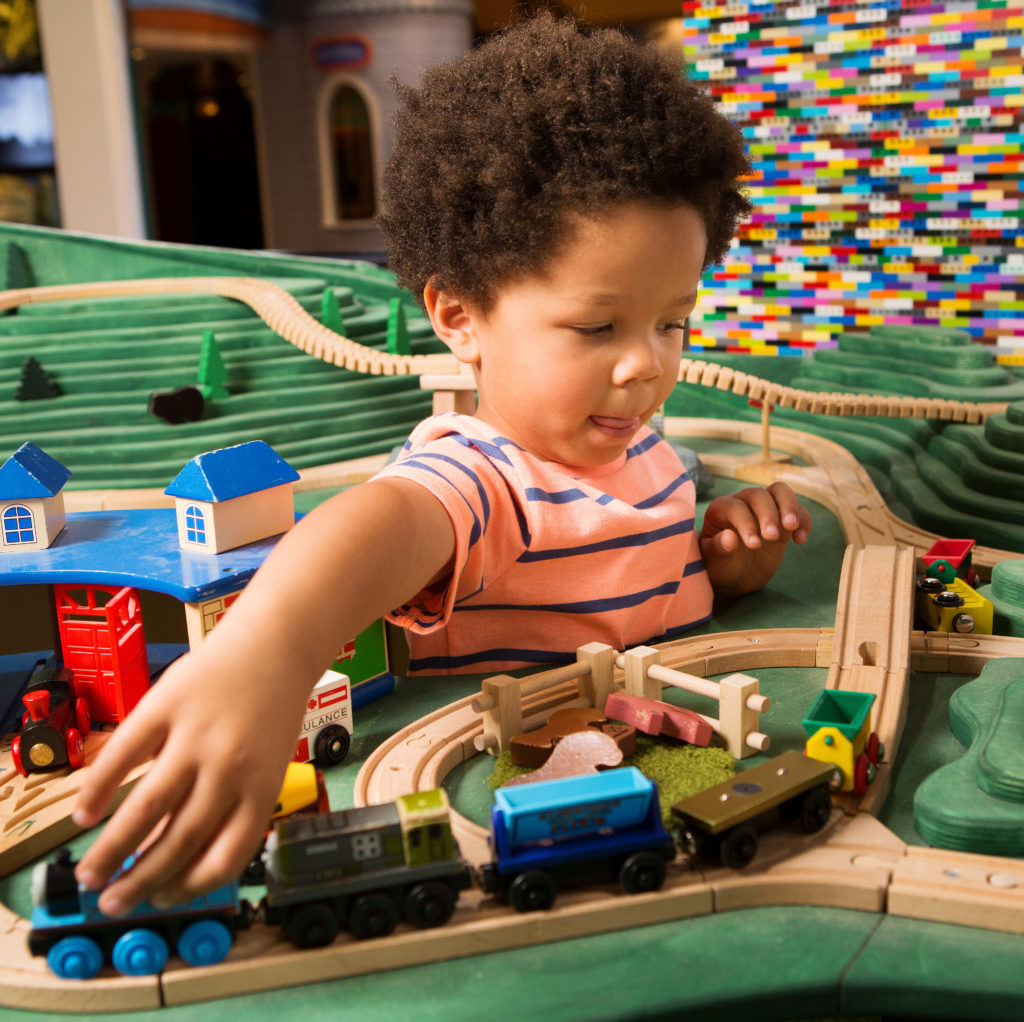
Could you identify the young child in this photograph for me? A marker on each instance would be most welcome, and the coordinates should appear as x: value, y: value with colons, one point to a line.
x: 554, y: 198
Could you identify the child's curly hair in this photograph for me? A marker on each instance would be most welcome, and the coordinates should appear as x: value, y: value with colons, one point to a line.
x: 493, y: 152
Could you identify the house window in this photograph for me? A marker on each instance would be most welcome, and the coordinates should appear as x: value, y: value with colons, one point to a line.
x: 195, y: 525
x: 18, y: 526
x: 351, y: 149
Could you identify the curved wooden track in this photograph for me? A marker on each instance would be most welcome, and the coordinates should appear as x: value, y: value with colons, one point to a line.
x: 855, y: 863
x: 832, y: 476
x: 283, y: 314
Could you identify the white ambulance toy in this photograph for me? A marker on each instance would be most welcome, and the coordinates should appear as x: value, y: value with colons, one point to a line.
x: 327, y: 724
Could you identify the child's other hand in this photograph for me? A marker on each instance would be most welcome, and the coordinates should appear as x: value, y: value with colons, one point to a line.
x: 199, y: 812
x: 745, y: 535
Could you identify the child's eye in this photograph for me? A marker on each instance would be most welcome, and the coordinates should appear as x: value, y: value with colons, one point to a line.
x: 590, y: 331
x: 668, y: 328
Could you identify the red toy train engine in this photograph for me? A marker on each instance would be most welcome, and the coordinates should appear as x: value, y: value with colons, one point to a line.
x: 54, y: 724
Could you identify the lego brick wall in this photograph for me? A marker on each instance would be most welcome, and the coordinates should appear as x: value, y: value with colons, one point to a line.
x: 886, y: 138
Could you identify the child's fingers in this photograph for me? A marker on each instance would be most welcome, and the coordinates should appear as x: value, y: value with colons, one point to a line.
x: 222, y: 860
x: 132, y: 743
x: 185, y: 836
x: 154, y: 796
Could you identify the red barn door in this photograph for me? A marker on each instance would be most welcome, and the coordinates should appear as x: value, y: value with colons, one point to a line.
x: 103, y: 642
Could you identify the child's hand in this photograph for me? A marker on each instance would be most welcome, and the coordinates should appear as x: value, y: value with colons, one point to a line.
x: 220, y: 742
x: 745, y: 535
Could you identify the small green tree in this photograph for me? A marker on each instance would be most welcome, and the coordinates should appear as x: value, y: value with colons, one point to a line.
x: 330, y: 312
x: 211, y: 373
x: 398, y: 330
x: 35, y: 382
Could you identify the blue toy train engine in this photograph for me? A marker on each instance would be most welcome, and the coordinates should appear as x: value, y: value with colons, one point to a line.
x: 77, y: 938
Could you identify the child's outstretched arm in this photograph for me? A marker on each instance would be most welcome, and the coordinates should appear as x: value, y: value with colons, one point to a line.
x: 222, y: 722
x: 745, y: 535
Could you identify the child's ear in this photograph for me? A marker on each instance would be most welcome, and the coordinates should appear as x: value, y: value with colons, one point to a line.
x: 453, y: 321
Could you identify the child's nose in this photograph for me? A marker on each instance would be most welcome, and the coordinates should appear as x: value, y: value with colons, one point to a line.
x: 637, y: 360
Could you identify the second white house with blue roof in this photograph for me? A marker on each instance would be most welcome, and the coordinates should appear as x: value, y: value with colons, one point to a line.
x: 233, y: 496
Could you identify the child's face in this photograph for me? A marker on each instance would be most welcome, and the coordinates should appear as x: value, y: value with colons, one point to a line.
x: 572, y: 361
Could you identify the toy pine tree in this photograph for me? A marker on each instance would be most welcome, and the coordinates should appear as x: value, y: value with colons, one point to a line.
x: 35, y: 383
x: 15, y: 269
x: 330, y: 312
x: 212, y: 373
x: 398, y: 331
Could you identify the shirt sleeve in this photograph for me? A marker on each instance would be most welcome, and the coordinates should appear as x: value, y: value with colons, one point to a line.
x: 478, y: 492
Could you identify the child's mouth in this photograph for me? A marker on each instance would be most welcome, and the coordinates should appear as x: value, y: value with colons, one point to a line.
x: 616, y: 426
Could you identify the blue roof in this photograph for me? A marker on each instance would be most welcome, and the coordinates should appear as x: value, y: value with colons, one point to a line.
x: 134, y: 548
x: 31, y: 472
x: 232, y: 472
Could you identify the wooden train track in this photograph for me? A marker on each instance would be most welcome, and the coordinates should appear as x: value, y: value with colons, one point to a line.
x: 286, y: 317
x: 831, y: 475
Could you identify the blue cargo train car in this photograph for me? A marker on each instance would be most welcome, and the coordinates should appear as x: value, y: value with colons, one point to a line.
x: 551, y: 833
x: 77, y: 938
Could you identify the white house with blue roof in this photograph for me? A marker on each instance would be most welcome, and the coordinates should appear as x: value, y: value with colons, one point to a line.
x: 31, y: 500
x: 233, y: 496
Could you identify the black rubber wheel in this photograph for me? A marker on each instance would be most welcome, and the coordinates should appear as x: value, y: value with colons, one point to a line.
x: 429, y: 904
x: 314, y: 924
x: 532, y: 891
x: 642, y: 871
x: 815, y: 809
x: 739, y: 846
x: 331, y: 745
x: 374, y: 914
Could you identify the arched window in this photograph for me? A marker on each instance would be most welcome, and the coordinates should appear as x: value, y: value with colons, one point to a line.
x: 195, y: 524
x: 18, y: 525
x: 350, y: 144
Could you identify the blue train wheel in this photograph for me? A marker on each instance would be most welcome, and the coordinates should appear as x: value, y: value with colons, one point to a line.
x: 139, y: 953
x: 204, y: 942
x: 75, y: 958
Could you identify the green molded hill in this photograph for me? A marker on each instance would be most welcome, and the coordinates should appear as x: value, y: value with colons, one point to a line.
x: 1006, y: 592
x: 976, y: 803
x: 107, y: 356
x: 953, y: 479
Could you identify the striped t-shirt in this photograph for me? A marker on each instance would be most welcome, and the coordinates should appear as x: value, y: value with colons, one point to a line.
x: 546, y: 559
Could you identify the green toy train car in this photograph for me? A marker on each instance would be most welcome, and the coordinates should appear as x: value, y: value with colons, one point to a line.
x: 362, y: 869
x: 839, y: 732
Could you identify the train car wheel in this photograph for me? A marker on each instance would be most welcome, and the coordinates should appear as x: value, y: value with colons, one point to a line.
x: 429, y: 904
x: 815, y: 810
x: 739, y: 846
x: 331, y: 745
x: 19, y: 764
x: 873, y: 749
x: 532, y: 891
x: 204, y: 942
x: 82, y: 719
x: 139, y: 953
x: 75, y: 748
x: 75, y: 958
x: 863, y: 774
x: 312, y: 925
x: 373, y: 915
x: 642, y: 871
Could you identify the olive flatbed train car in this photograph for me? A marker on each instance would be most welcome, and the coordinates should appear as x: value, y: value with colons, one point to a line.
x: 720, y: 821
